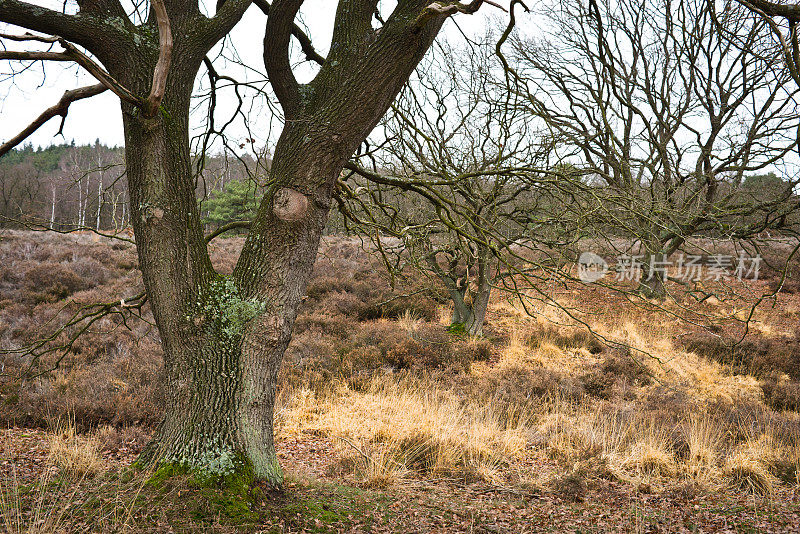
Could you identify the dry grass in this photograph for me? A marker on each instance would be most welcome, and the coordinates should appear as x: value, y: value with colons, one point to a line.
x: 76, y: 456
x: 47, y: 514
x: 400, y: 427
x: 403, y: 399
x: 747, y: 473
x: 703, y: 439
x: 71, y: 459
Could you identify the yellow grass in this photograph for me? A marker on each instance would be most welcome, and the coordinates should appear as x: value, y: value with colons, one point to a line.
x: 75, y: 456
x: 399, y: 426
x: 404, y: 426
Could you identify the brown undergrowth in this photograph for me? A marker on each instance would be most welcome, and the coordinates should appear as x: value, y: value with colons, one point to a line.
x: 538, y: 406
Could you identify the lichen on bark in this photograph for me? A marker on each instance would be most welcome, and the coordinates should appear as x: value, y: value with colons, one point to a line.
x: 221, y: 303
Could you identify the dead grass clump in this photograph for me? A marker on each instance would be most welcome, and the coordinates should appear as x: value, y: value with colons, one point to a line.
x: 76, y: 456
x: 615, y: 375
x: 746, y: 473
x: 704, y: 436
x: 110, y: 380
x: 320, y: 285
x: 409, y: 426
x: 353, y: 284
x: 571, y: 487
x: 334, y: 324
x: 651, y: 456
x: 425, y: 347
x: 51, y: 282
x: 790, y: 285
x: 518, y: 385
x: 759, y: 356
x: 565, y: 338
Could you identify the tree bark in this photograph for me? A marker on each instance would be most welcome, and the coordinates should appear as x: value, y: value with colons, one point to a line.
x: 652, y: 280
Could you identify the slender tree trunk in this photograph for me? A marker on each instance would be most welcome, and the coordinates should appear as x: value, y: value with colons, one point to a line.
x: 122, y: 218
x: 80, y: 201
x: 85, y: 212
x: 114, y: 202
x: 53, y: 209
x: 99, y: 203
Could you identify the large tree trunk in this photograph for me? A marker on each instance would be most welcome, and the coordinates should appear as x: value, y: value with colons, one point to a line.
x: 220, y: 386
x: 224, y: 337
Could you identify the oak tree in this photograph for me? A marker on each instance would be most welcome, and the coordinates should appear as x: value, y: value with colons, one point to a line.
x: 224, y: 336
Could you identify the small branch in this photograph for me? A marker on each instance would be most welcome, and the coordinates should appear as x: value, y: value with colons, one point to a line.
x: 164, y: 59
x: 35, y: 226
x: 72, y: 53
x: 82, y: 320
x: 98, y: 72
x: 227, y: 228
x: 35, y: 56
x: 60, y: 109
x: 446, y: 9
x: 29, y: 37
x: 358, y: 450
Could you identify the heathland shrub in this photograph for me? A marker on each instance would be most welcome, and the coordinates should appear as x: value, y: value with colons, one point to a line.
x: 760, y: 356
x: 51, y: 282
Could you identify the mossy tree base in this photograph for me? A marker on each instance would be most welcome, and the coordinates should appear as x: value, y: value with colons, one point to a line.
x: 222, y: 468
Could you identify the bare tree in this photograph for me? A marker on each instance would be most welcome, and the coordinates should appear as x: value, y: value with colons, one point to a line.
x: 224, y: 337
x: 664, y: 108
x: 456, y: 135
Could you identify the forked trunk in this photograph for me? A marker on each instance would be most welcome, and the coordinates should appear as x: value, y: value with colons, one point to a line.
x: 224, y: 337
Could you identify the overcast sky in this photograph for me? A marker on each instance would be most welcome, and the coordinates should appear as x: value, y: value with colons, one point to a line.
x: 25, y: 96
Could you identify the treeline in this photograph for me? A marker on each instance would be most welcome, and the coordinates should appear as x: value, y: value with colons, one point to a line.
x: 69, y: 186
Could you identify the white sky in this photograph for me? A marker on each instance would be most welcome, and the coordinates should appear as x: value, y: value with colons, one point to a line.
x: 25, y: 96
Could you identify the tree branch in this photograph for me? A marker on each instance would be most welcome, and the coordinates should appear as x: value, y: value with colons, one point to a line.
x: 788, y: 11
x: 86, y: 30
x: 276, y: 54
x: 98, y: 72
x: 60, y: 109
x: 29, y: 37
x: 446, y: 9
x: 164, y: 59
x: 34, y: 56
x: 305, y: 41
x: 227, y: 228
x: 228, y: 14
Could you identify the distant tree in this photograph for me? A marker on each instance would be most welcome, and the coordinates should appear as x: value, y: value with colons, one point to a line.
x: 769, y: 181
x: 668, y: 108
x: 455, y: 181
